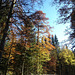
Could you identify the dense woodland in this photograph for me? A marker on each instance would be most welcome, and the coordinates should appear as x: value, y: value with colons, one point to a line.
x: 27, y: 46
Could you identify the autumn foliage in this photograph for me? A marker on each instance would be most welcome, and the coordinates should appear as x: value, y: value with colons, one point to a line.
x: 26, y: 44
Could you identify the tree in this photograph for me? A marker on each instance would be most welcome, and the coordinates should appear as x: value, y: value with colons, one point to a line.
x: 54, y: 55
x: 21, y: 48
x: 30, y: 59
x: 7, y: 25
x: 65, y: 62
x: 14, y: 10
x: 2, y: 43
x: 67, y: 14
x: 40, y: 22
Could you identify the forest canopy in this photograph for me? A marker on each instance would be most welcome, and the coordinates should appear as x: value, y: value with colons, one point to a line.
x: 26, y: 45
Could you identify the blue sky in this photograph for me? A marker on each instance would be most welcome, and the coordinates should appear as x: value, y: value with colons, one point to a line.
x: 51, y: 13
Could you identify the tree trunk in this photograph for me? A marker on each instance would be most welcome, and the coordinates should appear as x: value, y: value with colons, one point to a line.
x: 23, y: 68
x: 5, y: 30
x: 38, y: 36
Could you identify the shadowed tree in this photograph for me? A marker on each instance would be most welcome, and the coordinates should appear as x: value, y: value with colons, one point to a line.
x: 9, y: 14
x: 66, y: 10
x: 14, y: 8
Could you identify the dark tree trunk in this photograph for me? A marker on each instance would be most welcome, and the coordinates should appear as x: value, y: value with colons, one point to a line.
x: 5, y: 30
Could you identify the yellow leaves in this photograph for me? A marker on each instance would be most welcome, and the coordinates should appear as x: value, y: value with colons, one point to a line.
x: 73, y: 62
x: 44, y: 51
x: 67, y: 55
x: 27, y: 47
x: 9, y: 73
x: 41, y: 53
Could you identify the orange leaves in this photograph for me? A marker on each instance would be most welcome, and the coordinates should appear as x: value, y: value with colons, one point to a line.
x: 52, y: 62
x: 18, y: 52
x: 39, y: 12
x: 52, y: 35
x: 38, y: 17
x: 47, y: 44
x: 13, y: 51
